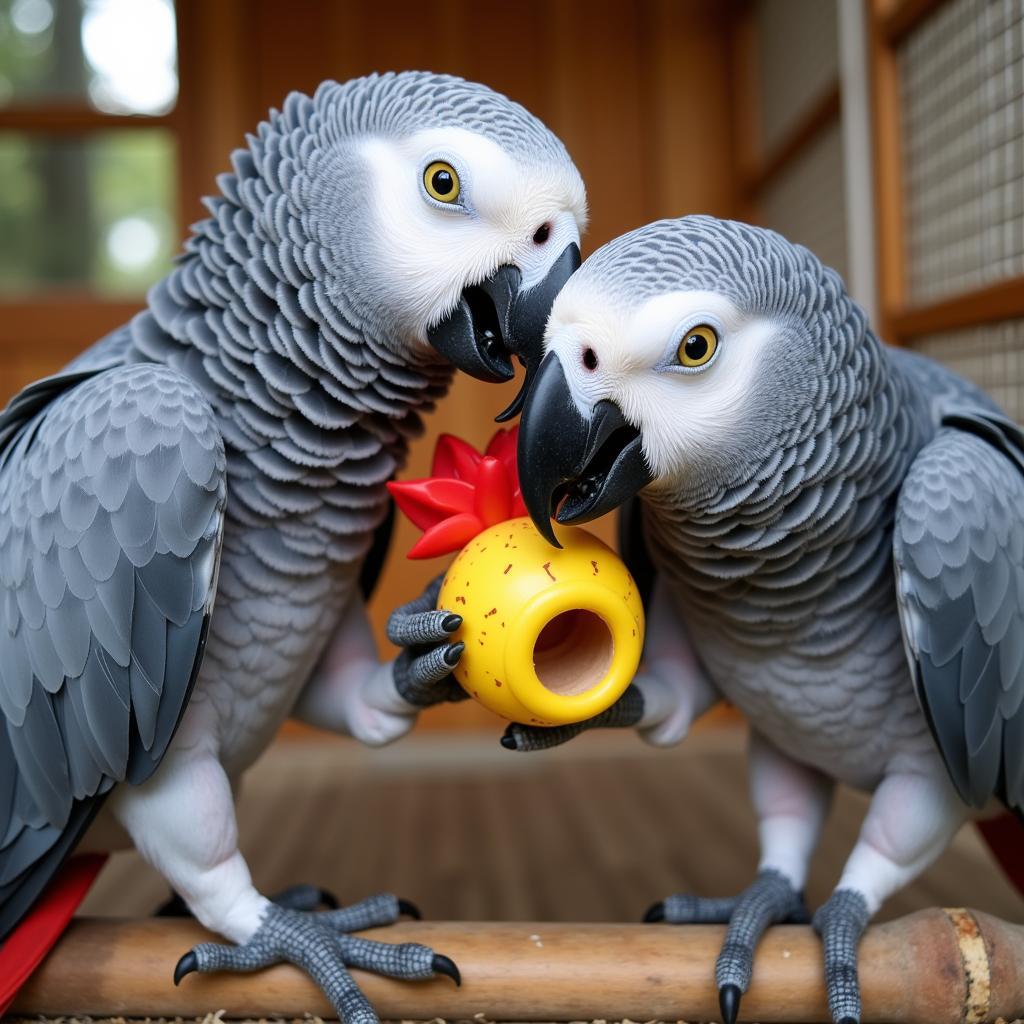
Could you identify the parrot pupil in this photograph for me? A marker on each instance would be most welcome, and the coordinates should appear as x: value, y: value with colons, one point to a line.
x: 696, y: 347
x: 442, y: 182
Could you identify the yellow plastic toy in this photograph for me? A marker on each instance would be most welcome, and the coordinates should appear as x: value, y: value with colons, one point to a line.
x: 552, y: 635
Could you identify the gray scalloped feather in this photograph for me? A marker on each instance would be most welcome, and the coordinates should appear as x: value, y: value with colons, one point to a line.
x: 112, y: 503
x: 959, y: 557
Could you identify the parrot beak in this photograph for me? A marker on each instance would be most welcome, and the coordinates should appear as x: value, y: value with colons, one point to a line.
x: 496, y: 320
x: 571, y: 467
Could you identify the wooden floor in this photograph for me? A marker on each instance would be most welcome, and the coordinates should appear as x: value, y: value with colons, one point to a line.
x: 594, y: 831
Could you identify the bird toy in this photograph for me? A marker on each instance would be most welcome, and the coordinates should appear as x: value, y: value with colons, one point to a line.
x: 551, y: 636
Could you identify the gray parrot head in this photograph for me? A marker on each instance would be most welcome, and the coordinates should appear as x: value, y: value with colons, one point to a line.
x: 441, y: 215
x: 685, y: 356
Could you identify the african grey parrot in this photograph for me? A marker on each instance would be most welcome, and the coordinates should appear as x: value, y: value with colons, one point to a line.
x: 185, y: 509
x: 837, y: 532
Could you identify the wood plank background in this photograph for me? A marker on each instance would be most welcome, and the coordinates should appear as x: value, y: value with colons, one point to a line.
x: 593, y: 831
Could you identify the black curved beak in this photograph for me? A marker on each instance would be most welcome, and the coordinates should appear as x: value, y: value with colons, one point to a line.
x: 496, y: 320
x: 571, y: 467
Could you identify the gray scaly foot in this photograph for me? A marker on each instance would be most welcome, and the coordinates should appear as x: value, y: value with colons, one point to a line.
x: 319, y: 944
x: 770, y: 900
x: 840, y: 922
x: 683, y: 908
x: 625, y: 713
x: 423, y: 670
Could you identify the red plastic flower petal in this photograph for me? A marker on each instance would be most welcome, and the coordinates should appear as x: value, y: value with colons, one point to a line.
x: 454, y: 457
x: 493, y: 491
x: 467, y: 493
x: 429, y: 501
x: 503, y: 446
x: 443, y: 538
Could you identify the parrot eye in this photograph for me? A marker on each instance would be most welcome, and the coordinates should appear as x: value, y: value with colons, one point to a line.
x: 698, y: 346
x: 441, y: 182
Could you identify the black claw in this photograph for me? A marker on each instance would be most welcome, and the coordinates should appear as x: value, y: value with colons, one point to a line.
x: 445, y: 965
x: 186, y: 965
x: 453, y: 653
x: 729, y: 1002
x: 508, y: 741
x: 655, y: 913
x: 329, y: 900
x: 451, y: 622
x: 410, y: 909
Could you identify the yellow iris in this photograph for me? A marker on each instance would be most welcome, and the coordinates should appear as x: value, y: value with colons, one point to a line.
x: 441, y: 181
x: 698, y: 346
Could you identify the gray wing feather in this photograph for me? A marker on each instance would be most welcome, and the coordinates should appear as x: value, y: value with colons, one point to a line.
x: 959, y: 559
x: 112, y: 497
x: 30, y: 400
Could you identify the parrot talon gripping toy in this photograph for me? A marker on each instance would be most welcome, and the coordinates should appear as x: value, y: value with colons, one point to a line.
x: 186, y: 509
x: 836, y: 533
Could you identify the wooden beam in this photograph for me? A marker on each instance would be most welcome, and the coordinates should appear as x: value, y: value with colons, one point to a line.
x: 68, y: 322
x: 1002, y: 301
x: 932, y: 967
x: 748, y: 141
x: 904, y: 16
x: 820, y: 116
x: 217, y: 65
x: 888, y: 168
x: 62, y: 318
x: 76, y: 119
x: 687, y: 43
x: 37, y: 338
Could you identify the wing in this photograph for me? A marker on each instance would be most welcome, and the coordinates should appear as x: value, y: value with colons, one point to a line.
x: 373, y: 564
x: 24, y: 406
x: 633, y: 548
x: 111, y: 511
x: 959, y: 559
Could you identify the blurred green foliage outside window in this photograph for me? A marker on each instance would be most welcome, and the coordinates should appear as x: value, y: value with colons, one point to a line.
x: 91, y: 210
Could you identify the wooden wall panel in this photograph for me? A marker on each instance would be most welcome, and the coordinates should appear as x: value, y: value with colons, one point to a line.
x: 692, y: 91
x: 218, y: 66
x: 640, y: 93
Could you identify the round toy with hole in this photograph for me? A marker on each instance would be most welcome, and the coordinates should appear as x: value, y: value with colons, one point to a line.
x: 552, y: 635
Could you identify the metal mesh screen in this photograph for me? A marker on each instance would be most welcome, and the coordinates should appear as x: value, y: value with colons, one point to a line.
x: 962, y: 75
x: 797, y: 59
x: 992, y: 356
x: 806, y: 202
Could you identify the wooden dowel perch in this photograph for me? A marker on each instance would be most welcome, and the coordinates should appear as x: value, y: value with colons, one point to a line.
x: 931, y: 967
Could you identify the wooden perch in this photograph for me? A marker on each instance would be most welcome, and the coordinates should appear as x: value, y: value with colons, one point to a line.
x: 931, y: 967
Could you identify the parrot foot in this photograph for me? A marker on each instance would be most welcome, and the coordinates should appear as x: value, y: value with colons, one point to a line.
x: 625, y: 713
x: 770, y: 900
x: 685, y: 909
x: 295, y: 897
x: 840, y: 922
x: 319, y: 944
x: 423, y: 670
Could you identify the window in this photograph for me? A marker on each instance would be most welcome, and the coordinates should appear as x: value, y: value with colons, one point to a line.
x: 949, y: 141
x: 89, y: 170
x: 788, y: 121
x: 944, y: 80
x: 953, y: 269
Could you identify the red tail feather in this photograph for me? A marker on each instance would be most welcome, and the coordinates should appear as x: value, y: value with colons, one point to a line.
x: 29, y: 943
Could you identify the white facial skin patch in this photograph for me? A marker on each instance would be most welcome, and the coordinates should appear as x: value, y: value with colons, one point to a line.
x: 632, y: 352
x: 433, y: 250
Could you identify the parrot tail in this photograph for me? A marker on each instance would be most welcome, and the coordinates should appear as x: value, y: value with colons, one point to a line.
x: 1004, y: 836
x: 29, y: 943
